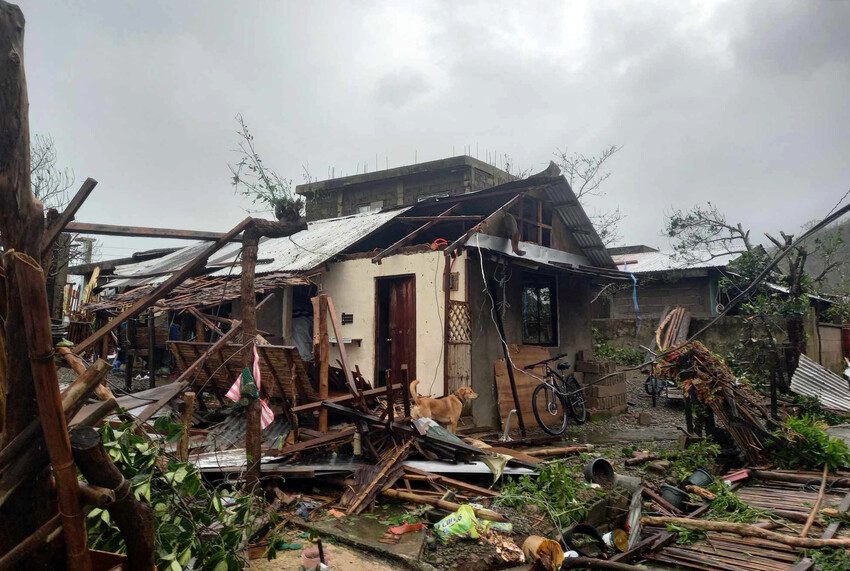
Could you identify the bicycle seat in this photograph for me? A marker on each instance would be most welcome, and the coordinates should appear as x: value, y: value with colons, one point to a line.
x: 563, y: 366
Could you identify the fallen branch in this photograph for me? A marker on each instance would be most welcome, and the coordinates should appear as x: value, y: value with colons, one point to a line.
x: 559, y: 451
x: 443, y: 504
x: 815, y: 508
x: 746, y: 530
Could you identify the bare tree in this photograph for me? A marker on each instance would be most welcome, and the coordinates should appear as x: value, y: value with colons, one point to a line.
x: 586, y: 175
x: 703, y: 233
x: 50, y: 182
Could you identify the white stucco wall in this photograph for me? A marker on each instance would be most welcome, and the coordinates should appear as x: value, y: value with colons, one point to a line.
x: 351, y: 285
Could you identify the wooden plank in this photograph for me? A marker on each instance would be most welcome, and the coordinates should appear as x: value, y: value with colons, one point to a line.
x: 147, y: 232
x: 67, y: 215
x: 163, y: 289
x: 521, y: 355
x: 392, y: 248
x: 309, y: 407
x: 324, y: 349
x: 343, y: 354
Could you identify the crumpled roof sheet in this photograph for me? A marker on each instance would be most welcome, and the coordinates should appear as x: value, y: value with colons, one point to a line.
x: 303, y: 251
x: 204, y: 291
x: 812, y: 380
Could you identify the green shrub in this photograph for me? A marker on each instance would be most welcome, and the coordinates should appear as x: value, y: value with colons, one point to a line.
x: 192, y: 521
x: 604, y: 351
x: 806, y: 444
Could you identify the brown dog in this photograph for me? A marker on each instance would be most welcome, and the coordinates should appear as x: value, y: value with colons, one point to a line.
x: 445, y: 410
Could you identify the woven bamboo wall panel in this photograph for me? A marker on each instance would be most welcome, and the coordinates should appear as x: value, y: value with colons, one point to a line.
x: 281, y: 369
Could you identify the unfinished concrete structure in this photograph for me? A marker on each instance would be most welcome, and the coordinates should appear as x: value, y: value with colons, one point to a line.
x: 399, y: 186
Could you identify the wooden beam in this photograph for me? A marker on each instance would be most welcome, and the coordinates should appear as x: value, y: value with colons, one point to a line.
x: 389, y: 250
x: 163, y: 289
x: 67, y: 215
x: 343, y: 354
x: 310, y: 407
x: 324, y: 348
x: 36, y: 329
x: 182, y: 381
x: 477, y: 228
x: 442, y: 218
x: 146, y: 232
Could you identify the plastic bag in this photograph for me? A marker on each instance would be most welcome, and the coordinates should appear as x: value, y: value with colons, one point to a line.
x: 461, y: 523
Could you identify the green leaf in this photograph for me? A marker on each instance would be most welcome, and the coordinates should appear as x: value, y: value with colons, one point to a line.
x: 220, y: 566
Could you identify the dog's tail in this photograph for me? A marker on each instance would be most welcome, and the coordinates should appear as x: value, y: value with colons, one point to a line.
x: 414, y: 394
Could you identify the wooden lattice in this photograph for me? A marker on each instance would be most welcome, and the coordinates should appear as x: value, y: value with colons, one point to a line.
x: 460, y: 322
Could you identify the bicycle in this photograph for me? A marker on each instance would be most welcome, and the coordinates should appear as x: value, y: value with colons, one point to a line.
x: 557, y: 397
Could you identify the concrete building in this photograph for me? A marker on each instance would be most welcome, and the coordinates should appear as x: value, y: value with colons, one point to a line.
x: 663, y: 281
x: 400, y: 186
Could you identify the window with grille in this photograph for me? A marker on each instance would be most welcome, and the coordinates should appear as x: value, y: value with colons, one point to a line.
x: 539, y: 310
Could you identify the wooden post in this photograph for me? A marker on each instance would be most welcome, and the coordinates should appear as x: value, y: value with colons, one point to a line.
x: 286, y: 315
x: 186, y: 421
x: 253, y: 440
x: 250, y: 243
x: 130, y: 333
x: 501, y: 328
x: 151, y: 348
x: 323, y: 357
x: 33, y: 302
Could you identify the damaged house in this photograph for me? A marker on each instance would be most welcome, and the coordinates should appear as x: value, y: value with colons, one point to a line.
x: 414, y: 275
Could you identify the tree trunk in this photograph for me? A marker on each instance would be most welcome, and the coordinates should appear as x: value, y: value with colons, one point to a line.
x: 21, y: 228
x: 253, y: 440
x: 133, y: 518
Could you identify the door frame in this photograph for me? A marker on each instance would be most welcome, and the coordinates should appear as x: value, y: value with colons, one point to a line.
x: 377, y: 323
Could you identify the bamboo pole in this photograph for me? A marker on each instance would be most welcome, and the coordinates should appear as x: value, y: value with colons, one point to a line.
x: 746, y: 530
x: 33, y: 300
x: 443, y: 504
x: 72, y: 399
x: 815, y: 508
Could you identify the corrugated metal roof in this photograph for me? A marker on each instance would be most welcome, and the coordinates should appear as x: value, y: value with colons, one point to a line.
x: 812, y: 380
x: 322, y: 240
x: 575, y: 218
x: 303, y: 251
x: 640, y: 262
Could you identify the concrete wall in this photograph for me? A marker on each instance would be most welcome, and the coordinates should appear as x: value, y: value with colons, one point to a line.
x: 574, y: 332
x: 696, y: 294
x: 725, y: 334
x: 351, y: 284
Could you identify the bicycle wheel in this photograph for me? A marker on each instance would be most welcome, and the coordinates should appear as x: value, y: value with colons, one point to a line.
x: 550, y: 409
x: 575, y: 400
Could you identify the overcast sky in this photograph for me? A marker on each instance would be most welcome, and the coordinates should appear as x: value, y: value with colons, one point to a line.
x: 741, y: 103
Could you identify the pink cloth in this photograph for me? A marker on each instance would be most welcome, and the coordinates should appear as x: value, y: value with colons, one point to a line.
x: 235, y: 392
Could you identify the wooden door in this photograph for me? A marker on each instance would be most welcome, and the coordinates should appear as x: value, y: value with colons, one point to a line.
x: 401, y: 314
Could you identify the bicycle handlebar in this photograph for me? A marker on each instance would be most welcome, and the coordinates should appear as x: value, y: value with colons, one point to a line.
x: 549, y: 360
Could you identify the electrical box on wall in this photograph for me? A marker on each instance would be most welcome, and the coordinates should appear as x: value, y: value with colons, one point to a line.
x: 347, y: 318
x: 454, y: 281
